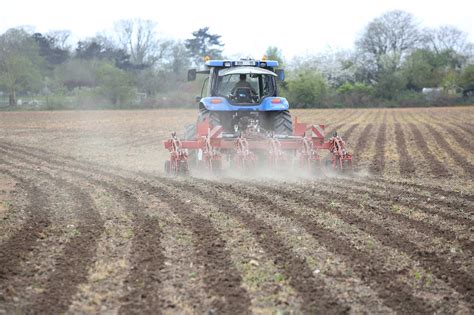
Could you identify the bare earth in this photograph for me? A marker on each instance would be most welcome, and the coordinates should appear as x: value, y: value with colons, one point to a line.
x: 89, y: 223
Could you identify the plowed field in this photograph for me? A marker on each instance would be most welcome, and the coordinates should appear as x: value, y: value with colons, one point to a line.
x: 90, y: 224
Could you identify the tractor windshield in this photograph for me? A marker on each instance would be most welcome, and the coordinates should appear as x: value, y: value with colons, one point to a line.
x: 245, y: 88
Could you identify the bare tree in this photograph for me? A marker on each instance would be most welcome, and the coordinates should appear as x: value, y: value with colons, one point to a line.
x: 60, y: 38
x: 139, y: 38
x: 178, y: 59
x: 387, y: 40
x: 448, y: 38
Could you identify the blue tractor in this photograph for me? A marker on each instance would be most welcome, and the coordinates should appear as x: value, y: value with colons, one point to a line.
x: 244, y: 124
x: 238, y: 94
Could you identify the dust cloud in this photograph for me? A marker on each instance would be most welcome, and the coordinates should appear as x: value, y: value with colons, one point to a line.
x: 290, y: 171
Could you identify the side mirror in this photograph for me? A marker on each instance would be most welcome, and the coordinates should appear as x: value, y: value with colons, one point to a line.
x: 191, y: 74
x: 197, y: 98
x: 281, y: 74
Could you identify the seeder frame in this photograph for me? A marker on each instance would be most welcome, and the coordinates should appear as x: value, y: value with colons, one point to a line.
x: 306, y: 142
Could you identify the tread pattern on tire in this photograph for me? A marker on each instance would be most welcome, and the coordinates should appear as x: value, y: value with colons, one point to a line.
x: 282, y: 123
x: 214, y: 119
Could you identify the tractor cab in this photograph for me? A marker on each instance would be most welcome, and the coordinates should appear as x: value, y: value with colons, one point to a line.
x: 244, y: 85
x: 242, y: 93
x: 240, y: 82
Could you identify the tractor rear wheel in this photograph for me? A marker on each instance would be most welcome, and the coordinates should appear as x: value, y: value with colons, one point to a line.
x: 282, y: 123
x: 212, y: 117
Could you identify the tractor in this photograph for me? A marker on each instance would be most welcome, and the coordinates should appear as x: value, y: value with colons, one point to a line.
x: 240, y: 93
x: 243, y: 122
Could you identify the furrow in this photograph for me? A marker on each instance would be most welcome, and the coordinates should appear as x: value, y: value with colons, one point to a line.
x: 315, y: 297
x: 363, y: 140
x: 378, y: 162
x: 21, y: 243
x: 369, y: 268
x: 389, y: 190
x: 425, y: 187
x: 407, y: 167
x: 437, y: 168
x: 461, y: 139
x: 460, y: 160
x: 143, y: 281
x: 78, y: 254
x: 221, y: 278
x: 386, y: 206
x: 460, y: 279
x: 346, y: 135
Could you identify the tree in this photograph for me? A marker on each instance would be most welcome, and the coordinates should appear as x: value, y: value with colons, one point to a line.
x: 447, y: 38
x: 364, y: 67
x: 101, y: 47
x: 77, y: 72
x: 390, y: 85
x: 116, y: 85
x: 450, y: 81
x: 337, y: 66
x: 93, y: 48
x: 357, y: 94
x: 467, y: 78
x: 421, y: 69
x: 204, y: 44
x: 451, y: 45
x: 150, y: 81
x: 307, y: 89
x: 391, y: 35
x: 19, y: 63
x: 139, y: 39
x: 428, y: 68
x: 275, y: 53
x: 177, y: 58
x: 50, y: 50
x: 60, y: 38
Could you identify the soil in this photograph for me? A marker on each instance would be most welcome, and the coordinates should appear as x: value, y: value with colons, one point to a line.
x: 90, y: 224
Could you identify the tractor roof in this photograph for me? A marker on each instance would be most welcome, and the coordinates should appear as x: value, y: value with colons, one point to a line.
x: 242, y: 62
x: 245, y: 70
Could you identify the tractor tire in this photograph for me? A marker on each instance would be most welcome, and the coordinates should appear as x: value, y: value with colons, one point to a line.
x: 282, y: 123
x: 212, y: 117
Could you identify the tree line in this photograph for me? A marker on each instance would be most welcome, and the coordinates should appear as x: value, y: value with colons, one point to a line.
x: 394, y: 62
x: 132, y: 65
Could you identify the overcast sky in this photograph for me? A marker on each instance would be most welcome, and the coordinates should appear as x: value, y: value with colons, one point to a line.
x: 247, y: 27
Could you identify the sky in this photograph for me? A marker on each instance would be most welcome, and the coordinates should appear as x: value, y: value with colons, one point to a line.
x: 247, y: 27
